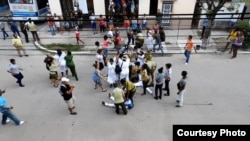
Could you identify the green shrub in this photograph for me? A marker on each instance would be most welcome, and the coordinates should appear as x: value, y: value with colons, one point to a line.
x: 68, y: 47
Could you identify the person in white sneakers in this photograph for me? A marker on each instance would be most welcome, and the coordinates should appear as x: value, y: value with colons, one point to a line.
x: 6, y: 111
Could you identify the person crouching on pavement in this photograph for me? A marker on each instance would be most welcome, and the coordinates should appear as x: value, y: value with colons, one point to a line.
x: 67, y: 94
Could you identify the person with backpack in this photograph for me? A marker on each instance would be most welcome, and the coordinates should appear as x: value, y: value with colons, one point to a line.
x: 66, y: 91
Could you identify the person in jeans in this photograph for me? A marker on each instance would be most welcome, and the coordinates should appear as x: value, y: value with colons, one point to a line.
x: 159, y: 83
x: 6, y: 111
x: 5, y: 34
x: 167, y: 76
x: 14, y: 70
x: 157, y: 38
x: 188, y: 48
x: 119, y: 99
x: 181, y: 85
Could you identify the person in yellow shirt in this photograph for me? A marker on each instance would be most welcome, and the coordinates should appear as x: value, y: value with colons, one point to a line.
x: 18, y: 44
x: 188, y: 48
x: 33, y: 30
x: 144, y: 77
x: 231, y: 37
x: 130, y: 89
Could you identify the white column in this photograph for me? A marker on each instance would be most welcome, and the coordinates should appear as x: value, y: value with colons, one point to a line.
x: 99, y: 6
x: 144, y: 6
x: 55, y: 7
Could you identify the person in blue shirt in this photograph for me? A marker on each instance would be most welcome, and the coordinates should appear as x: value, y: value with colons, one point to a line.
x: 6, y: 111
x: 204, y: 26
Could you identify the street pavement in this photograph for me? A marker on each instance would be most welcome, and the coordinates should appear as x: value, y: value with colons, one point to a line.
x: 216, y: 93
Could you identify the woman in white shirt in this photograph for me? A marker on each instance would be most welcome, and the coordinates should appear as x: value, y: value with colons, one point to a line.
x: 59, y: 58
x: 112, y: 77
x: 150, y: 39
x: 99, y: 59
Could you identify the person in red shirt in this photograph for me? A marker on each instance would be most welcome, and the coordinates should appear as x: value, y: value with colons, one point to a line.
x: 118, y: 42
x: 78, y: 34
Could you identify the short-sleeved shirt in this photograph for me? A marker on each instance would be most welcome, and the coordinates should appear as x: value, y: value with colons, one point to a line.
x: 190, y: 45
x: 130, y: 86
x: 3, y: 103
x: 13, y: 69
x: 181, y: 83
x: 17, y: 42
x: 159, y: 78
x: 168, y: 73
x: 118, y: 95
x: 144, y: 75
x: 233, y: 35
x: 32, y: 27
x: 64, y: 90
x: 105, y: 44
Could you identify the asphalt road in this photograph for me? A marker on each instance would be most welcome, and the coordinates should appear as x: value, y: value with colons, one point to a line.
x: 217, y: 93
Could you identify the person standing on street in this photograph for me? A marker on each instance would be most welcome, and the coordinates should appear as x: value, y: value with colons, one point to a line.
x: 70, y: 64
x: 237, y: 43
x: 119, y: 99
x: 159, y: 83
x: 167, y: 75
x: 13, y: 27
x: 23, y: 28
x: 33, y: 30
x: 5, y: 34
x: 67, y: 95
x: 14, y: 70
x: 181, y: 85
x: 6, y: 111
x: 18, y: 44
x: 188, y: 48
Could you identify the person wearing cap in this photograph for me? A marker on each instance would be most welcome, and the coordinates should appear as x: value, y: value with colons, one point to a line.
x: 67, y: 94
x: 159, y: 83
x: 18, y: 44
x: 130, y: 88
x: 14, y: 70
x: 6, y: 111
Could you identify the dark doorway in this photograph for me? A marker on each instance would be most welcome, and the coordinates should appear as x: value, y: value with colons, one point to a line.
x: 153, y: 7
x: 66, y: 6
x: 90, y: 5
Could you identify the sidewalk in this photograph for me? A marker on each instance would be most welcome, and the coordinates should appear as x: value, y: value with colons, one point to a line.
x: 174, y: 42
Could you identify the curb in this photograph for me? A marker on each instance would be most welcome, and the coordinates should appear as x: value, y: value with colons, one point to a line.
x: 204, y: 51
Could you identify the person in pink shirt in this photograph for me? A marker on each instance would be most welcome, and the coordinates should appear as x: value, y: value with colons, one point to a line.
x: 105, y: 45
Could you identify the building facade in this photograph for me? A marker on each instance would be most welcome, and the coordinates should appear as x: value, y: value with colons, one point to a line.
x: 148, y: 7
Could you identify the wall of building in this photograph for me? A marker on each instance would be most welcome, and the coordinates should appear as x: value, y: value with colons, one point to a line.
x: 144, y: 7
x: 99, y: 7
x: 55, y: 7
